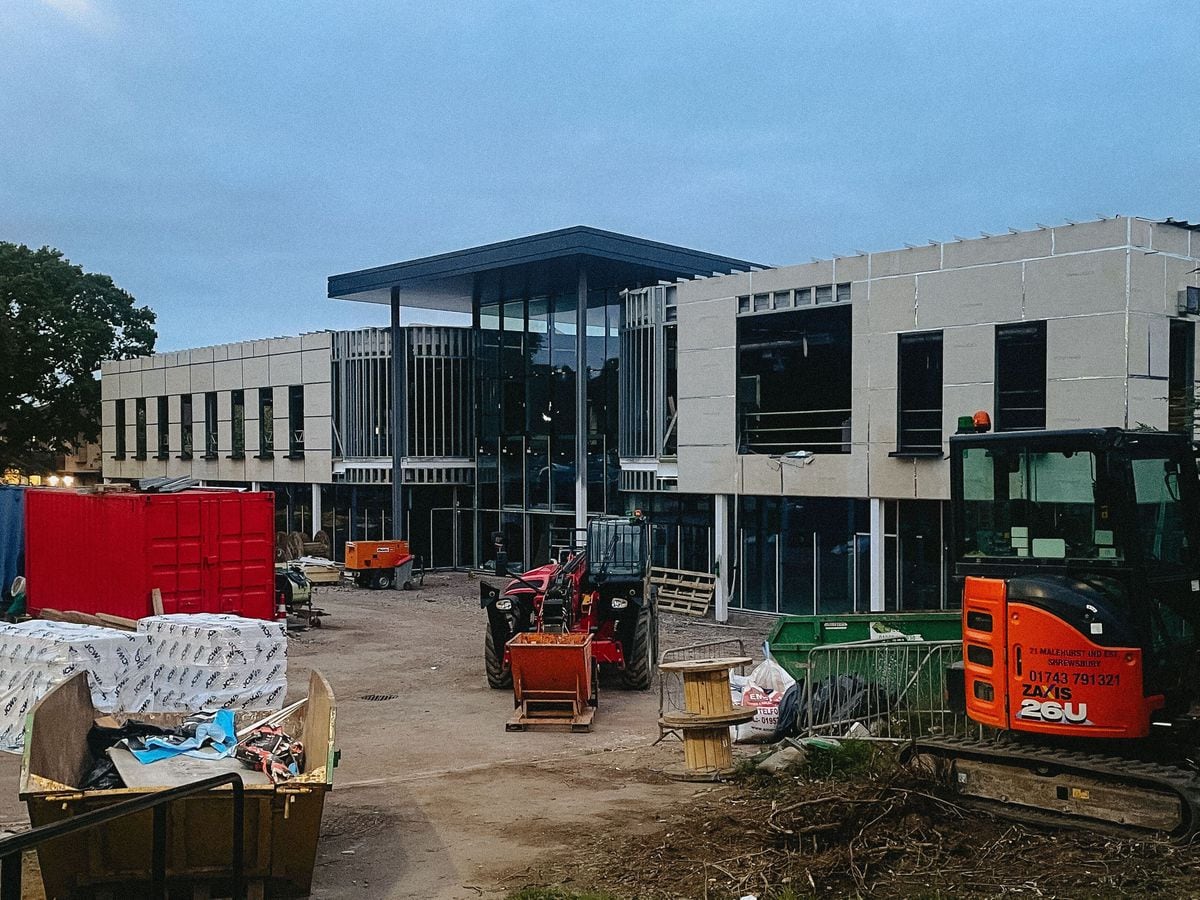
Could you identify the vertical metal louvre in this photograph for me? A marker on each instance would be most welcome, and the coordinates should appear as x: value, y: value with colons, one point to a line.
x: 440, y: 408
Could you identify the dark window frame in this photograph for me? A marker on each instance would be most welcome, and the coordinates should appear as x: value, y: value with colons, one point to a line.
x: 119, y: 422
x: 916, y: 425
x: 266, y: 423
x: 212, y: 433
x: 139, y: 424
x: 1020, y: 376
x: 185, y: 426
x: 163, y: 429
x: 237, y: 424
x: 295, y: 421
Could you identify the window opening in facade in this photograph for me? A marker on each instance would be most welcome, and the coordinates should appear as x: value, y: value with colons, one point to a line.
x: 920, y: 393
x: 794, y: 381
x: 362, y: 394
x: 210, y: 425
x: 164, y: 429
x: 266, y: 423
x: 185, y: 426
x: 1181, y: 377
x: 1020, y: 376
x: 296, y: 421
x: 237, y: 424
x: 649, y: 375
x: 119, y: 425
x: 440, y: 408
x: 139, y: 422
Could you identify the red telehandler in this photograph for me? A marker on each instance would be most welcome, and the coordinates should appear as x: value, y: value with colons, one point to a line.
x: 598, y: 589
x: 1078, y: 556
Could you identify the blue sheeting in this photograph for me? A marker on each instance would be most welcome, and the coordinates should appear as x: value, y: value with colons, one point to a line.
x: 12, y: 538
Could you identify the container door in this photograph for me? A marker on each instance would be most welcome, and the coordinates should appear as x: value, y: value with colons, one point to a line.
x: 239, y: 572
x: 174, y: 546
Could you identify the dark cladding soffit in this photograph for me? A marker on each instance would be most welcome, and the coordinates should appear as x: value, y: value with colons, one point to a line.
x: 580, y: 240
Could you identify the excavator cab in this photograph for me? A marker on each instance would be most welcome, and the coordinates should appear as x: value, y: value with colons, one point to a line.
x: 1078, y: 557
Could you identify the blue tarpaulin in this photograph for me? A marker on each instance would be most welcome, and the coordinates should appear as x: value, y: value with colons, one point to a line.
x: 12, y: 538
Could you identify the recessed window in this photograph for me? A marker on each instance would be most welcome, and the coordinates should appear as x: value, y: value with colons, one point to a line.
x: 1021, y: 376
x: 1181, y: 377
x: 762, y: 302
x: 919, y: 364
x: 185, y: 426
x: 803, y: 296
x: 164, y: 429
x: 296, y: 421
x: 119, y: 422
x: 266, y: 422
x: 210, y: 425
x: 843, y: 293
x: 237, y: 409
x: 824, y: 293
x: 783, y: 299
x: 139, y: 421
x: 743, y: 304
x: 794, y: 382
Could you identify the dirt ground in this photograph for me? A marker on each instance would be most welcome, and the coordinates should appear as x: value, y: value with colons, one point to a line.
x: 434, y: 799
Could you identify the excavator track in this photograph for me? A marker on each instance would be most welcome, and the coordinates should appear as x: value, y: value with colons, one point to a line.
x: 1049, y: 786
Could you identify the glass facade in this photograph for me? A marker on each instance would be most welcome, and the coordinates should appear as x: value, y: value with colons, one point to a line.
x: 526, y: 376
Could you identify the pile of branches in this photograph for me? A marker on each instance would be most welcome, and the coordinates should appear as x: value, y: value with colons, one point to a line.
x: 879, y: 836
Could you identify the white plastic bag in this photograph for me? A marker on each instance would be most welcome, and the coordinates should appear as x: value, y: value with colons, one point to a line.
x: 764, y: 691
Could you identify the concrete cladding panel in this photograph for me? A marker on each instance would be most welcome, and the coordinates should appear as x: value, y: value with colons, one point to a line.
x: 906, y: 262
x: 1091, y: 235
x: 707, y: 470
x: 879, y: 360
x: 1171, y: 239
x: 285, y: 368
x: 998, y: 248
x: 888, y: 476
x: 1085, y: 403
x: 178, y: 379
x: 1149, y: 345
x: 708, y: 323
x: 892, y: 304
x: 827, y: 475
x: 1085, y: 346
x: 1148, y: 403
x: 968, y: 354
x: 707, y: 373
x: 707, y: 422
x: 1075, y: 285
x: 967, y: 296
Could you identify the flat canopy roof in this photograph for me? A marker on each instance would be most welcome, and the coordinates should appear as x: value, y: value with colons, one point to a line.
x: 544, y: 261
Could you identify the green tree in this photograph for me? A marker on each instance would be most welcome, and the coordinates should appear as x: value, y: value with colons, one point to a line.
x: 57, y: 323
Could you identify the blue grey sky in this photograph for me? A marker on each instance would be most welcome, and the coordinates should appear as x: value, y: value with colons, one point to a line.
x: 221, y: 159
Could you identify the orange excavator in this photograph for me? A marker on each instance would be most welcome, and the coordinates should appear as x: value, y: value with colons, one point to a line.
x: 1078, y: 557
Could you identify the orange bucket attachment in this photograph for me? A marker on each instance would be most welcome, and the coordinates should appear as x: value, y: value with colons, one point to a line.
x: 554, y: 679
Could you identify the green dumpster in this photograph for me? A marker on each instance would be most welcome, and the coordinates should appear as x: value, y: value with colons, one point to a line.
x: 794, y: 636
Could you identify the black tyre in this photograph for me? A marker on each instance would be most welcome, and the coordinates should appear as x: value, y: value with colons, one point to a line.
x: 384, y: 579
x: 499, y: 674
x: 640, y: 656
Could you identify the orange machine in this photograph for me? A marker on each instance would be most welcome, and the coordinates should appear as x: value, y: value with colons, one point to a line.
x: 555, y: 680
x: 379, y: 564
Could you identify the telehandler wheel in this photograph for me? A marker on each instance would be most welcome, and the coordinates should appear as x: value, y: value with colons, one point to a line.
x: 640, y: 659
x: 499, y: 673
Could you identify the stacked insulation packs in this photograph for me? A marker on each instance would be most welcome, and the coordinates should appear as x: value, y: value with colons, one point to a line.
x: 210, y: 661
x: 36, y: 656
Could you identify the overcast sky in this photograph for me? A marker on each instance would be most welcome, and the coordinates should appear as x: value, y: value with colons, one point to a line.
x: 220, y: 160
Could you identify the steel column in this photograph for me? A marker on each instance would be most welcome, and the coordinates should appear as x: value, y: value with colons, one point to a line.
x: 877, y: 555
x: 581, y: 386
x: 399, y: 419
x: 720, y: 542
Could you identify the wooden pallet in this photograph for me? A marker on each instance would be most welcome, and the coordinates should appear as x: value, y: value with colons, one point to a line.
x: 690, y: 593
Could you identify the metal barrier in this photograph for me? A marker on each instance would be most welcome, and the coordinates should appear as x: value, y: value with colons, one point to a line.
x: 12, y: 848
x: 880, y: 690
x: 670, y: 684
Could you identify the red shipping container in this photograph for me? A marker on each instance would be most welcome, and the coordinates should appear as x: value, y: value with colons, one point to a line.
x: 206, y: 551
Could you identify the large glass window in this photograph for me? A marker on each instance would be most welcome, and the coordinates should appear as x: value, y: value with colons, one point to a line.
x: 920, y: 392
x: 1021, y: 376
x: 266, y: 422
x: 1021, y: 503
x: 1181, y: 377
x: 210, y: 425
x: 794, y: 372
x: 119, y: 423
x: 296, y: 421
x: 164, y: 429
x: 185, y: 426
x: 139, y: 422
x: 237, y: 405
